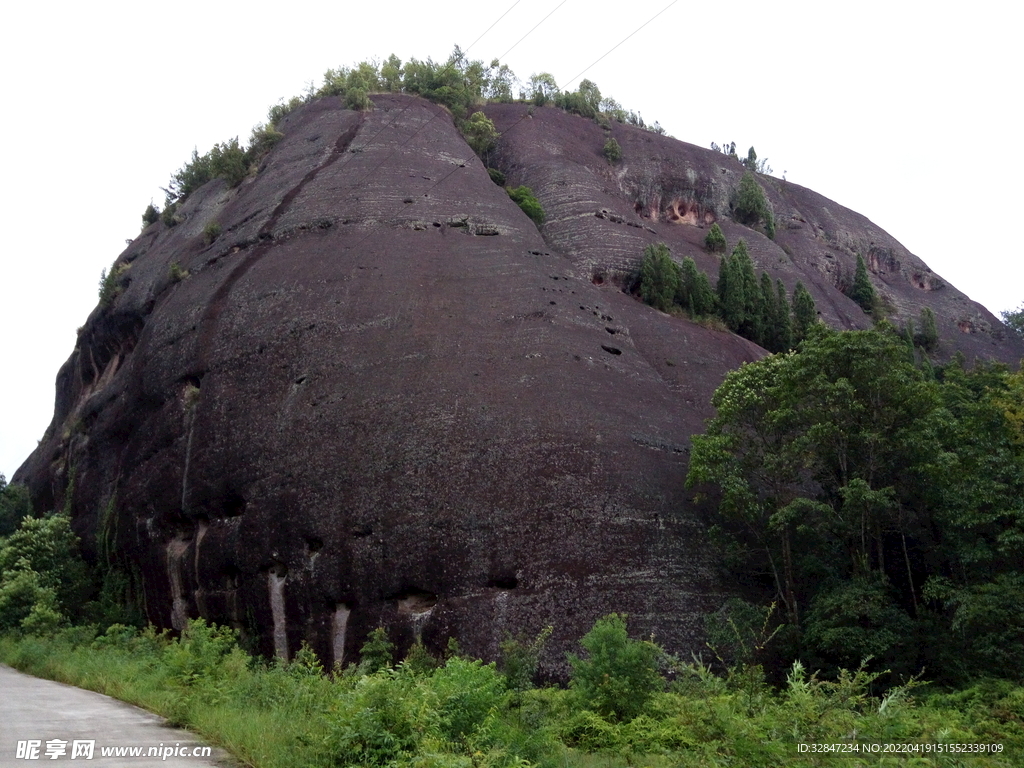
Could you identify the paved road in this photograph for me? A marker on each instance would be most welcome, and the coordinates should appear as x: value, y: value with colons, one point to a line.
x: 43, y: 711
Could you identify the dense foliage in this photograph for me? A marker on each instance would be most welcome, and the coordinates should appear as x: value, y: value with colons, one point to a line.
x: 524, y: 198
x: 881, y: 504
x: 862, y: 291
x: 755, y: 309
x: 751, y: 207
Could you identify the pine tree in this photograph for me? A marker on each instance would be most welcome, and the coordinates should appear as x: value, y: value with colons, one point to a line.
x: 862, y: 292
x: 768, y: 315
x: 695, y: 294
x: 730, y: 291
x: 783, y: 326
x: 928, y: 337
x: 715, y: 240
x: 659, y: 277
x: 804, y: 312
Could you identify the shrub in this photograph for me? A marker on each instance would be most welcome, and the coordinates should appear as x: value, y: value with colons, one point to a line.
x: 750, y: 206
x: 176, y: 273
x: 621, y: 675
x: 612, y: 151
x: 377, y: 652
x: 479, y: 133
x: 151, y: 215
x: 496, y: 176
x: 714, y: 242
x: 14, y: 506
x: 519, y: 659
x: 1014, y: 319
x: 928, y: 337
x: 110, y: 283
x: 523, y: 197
x: 357, y: 99
x: 211, y: 232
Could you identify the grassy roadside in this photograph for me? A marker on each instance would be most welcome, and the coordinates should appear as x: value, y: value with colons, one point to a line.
x: 462, y: 713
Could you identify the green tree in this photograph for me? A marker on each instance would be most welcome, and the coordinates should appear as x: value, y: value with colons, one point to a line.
x: 694, y: 293
x: 862, y: 291
x: 14, y: 506
x: 612, y: 151
x: 805, y: 314
x: 151, y: 215
x: 377, y: 652
x: 480, y: 133
x: 659, y: 277
x: 928, y: 336
x: 40, y: 564
x: 542, y: 88
x: 1014, y: 319
x: 714, y: 242
x: 751, y: 207
x: 620, y: 675
x: 782, y: 338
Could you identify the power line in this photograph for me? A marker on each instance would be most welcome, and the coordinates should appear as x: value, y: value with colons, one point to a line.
x: 506, y: 53
x: 624, y: 40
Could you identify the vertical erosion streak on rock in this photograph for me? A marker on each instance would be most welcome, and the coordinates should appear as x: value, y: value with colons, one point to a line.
x: 276, y: 578
x: 179, y: 606
x: 266, y: 235
x: 338, y: 627
x: 188, y: 458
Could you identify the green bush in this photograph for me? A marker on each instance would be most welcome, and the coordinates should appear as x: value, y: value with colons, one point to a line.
x: 928, y: 336
x: 523, y: 197
x: 111, y: 285
x: 496, y: 176
x: 377, y: 652
x: 211, y: 232
x: 479, y: 133
x: 751, y: 207
x: 612, y: 151
x: 620, y: 675
x: 14, y: 506
x: 151, y: 215
x: 714, y: 242
x: 659, y: 277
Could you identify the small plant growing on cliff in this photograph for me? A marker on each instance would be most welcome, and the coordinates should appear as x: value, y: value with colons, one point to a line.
x: 928, y: 336
x: 524, y: 198
x: 110, y: 284
x: 496, y: 176
x: 750, y: 206
x: 480, y: 133
x: 176, y: 273
x: 715, y: 240
x: 151, y: 215
x: 612, y: 151
x: 211, y: 232
x: 862, y: 291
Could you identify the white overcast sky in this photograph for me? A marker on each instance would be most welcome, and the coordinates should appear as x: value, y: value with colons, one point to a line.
x: 907, y: 112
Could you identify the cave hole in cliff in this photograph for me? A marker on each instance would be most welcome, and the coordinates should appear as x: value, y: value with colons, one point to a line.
x: 314, y: 544
x: 414, y: 600
x: 233, y: 505
x: 611, y: 350
x: 598, y: 278
x: 503, y: 582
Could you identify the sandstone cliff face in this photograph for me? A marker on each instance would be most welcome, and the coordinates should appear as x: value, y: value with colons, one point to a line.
x: 382, y: 396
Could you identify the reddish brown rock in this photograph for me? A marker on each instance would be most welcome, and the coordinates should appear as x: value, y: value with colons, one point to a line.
x: 382, y: 396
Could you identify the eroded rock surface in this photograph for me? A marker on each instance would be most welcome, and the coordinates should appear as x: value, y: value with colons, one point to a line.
x: 382, y: 396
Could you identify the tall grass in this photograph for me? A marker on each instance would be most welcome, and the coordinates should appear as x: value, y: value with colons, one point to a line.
x: 463, y: 714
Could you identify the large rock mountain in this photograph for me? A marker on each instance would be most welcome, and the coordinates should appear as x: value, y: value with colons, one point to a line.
x: 383, y: 396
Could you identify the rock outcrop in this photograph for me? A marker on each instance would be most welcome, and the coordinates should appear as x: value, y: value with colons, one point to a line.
x: 382, y: 396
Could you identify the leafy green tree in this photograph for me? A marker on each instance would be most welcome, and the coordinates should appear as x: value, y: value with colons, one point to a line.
x: 391, y: 74
x: 714, y: 242
x: 751, y: 207
x: 805, y: 314
x: 151, y: 215
x: 620, y: 675
x: 738, y: 291
x: 612, y: 151
x: 14, y: 506
x: 1014, y: 319
x: 862, y: 291
x: 542, y: 88
x: 520, y: 657
x: 928, y: 336
x: 480, y: 133
x: 40, y: 564
x: 659, y: 277
x: 524, y: 198
x: 377, y: 652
